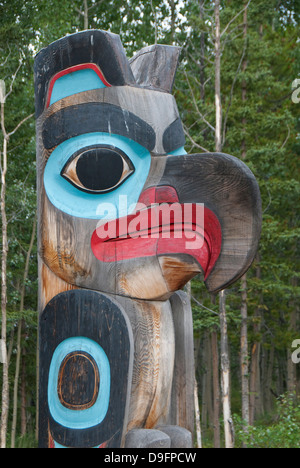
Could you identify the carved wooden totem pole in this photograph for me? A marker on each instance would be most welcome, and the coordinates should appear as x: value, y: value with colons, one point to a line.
x: 126, y: 219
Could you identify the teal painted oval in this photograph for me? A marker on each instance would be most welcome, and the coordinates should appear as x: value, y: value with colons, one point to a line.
x: 85, y: 418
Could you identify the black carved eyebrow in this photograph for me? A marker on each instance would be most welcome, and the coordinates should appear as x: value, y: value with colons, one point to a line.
x: 173, y: 137
x: 96, y: 117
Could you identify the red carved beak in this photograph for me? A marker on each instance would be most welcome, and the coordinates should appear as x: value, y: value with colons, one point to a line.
x: 161, y: 226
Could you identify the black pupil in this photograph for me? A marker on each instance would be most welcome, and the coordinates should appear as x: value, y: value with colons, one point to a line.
x: 99, y: 169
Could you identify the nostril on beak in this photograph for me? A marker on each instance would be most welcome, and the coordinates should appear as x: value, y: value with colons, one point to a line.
x: 160, y: 194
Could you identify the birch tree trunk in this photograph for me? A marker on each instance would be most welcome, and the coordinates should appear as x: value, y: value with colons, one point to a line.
x: 197, y: 415
x: 216, y: 389
x: 20, y: 326
x: 225, y: 375
x: 86, y: 14
x: 255, y: 357
x: 218, y: 104
x: 202, y: 57
x: 225, y: 366
x: 5, y: 383
x: 244, y: 307
x: 4, y: 252
x: 244, y: 355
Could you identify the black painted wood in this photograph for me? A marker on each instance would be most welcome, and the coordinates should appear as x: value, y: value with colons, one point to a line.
x: 96, y: 117
x: 226, y: 186
x: 173, y: 137
x: 83, y: 313
x: 97, y: 168
x: 94, y: 46
x: 79, y: 366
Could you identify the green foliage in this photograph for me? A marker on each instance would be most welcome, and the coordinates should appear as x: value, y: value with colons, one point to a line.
x: 281, y: 432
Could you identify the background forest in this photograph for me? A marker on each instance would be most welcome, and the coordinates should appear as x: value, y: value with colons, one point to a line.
x: 260, y: 123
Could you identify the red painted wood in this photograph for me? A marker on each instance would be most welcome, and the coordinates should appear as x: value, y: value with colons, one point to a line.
x: 82, y: 66
x: 147, y: 233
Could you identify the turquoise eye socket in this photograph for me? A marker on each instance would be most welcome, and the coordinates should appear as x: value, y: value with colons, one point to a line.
x: 98, y: 169
x: 88, y: 171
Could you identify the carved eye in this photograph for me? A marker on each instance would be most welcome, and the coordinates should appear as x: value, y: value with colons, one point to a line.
x: 98, y: 169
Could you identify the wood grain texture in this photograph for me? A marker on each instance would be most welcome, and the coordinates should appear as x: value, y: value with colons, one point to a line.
x: 99, y: 47
x: 65, y: 249
x: 228, y: 188
x: 181, y: 411
x: 50, y: 285
x: 155, y: 66
x: 159, y: 110
x: 85, y: 315
x: 153, y: 333
x: 78, y: 366
x: 76, y: 120
x: 145, y: 329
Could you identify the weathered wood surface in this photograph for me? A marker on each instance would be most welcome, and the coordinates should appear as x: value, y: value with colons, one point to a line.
x: 98, y: 47
x: 154, y: 67
x: 228, y: 187
x: 89, y: 98
x: 84, y: 331
x: 158, y: 110
x: 153, y: 333
x: 50, y: 285
x: 181, y: 412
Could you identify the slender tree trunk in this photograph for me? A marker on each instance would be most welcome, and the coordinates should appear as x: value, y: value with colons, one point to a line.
x: 173, y: 19
x: 254, y: 377
x: 244, y: 308
x: 5, y: 383
x: 225, y: 375
x: 216, y: 389
x: 255, y: 358
x: 244, y: 355
x: 266, y: 391
x: 208, y: 388
x: 244, y: 85
x: 202, y: 57
x: 291, y: 367
x: 207, y: 411
x: 218, y: 128
x: 16, y: 383
x: 19, y: 334
x: 23, y: 394
x: 196, y: 397
x: 37, y: 380
x: 197, y: 415
x: 225, y: 365
x: 86, y: 14
x: 203, y: 382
